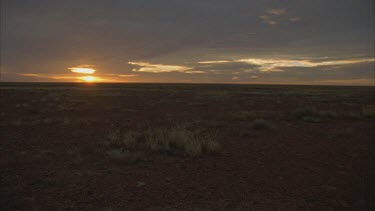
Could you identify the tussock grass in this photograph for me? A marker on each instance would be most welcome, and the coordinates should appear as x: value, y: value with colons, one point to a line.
x: 244, y: 115
x: 368, y: 111
x: 175, y: 141
x: 353, y: 115
x: 311, y: 119
x: 310, y: 114
x: 260, y: 124
x: 328, y: 114
x: 66, y: 121
x: 115, y: 153
x: 302, y: 112
x: 114, y: 138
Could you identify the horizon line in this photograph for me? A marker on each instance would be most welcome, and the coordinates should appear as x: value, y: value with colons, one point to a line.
x: 192, y: 83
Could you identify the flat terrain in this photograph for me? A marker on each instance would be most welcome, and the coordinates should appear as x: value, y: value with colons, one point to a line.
x: 281, y: 147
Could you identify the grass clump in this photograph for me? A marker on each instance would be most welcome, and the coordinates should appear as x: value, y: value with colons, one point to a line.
x: 176, y: 141
x: 115, y: 153
x: 352, y: 115
x: 312, y: 115
x: 114, y: 138
x: 244, y: 115
x: 190, y: 142
x: 260, y: 124
x: 303, y: 112
x: 368, y: 111
x: 328, y: 114
x: 311, y: 119
x: 129, y: 140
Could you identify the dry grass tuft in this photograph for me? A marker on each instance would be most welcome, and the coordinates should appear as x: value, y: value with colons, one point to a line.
x: 177, y: 141
x: 260, y: 124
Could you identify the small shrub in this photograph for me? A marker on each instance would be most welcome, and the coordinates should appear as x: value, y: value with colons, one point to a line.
x: 66, y: 121
x: 311, y: 119
x: 140, y: 184
x: 244, y: 115
x: 368, y: 111
x: 129, y: 140
x: 260, y: 124
x: 353, y: 115
x: 328, y: 114
x: 114, y: 138
x: 192, y: 148
x: 176, y: 140
x: 210, y: 145
x: 115, y: 153
x: 156, y: 140
x: 302, y: 112
x: 193, y: 143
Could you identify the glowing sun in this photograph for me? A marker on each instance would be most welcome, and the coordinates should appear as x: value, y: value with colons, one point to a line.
x: 88, y: 78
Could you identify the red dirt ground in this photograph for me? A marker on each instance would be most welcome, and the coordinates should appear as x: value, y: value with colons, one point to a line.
x: 53, y: 156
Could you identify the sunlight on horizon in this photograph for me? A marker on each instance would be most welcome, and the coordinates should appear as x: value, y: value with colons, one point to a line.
x: 88, y: 79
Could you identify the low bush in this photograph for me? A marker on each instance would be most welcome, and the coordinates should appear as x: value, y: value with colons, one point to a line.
x: 311, y: 119
x: 244, y: 115
x: 260, y: 124
x: 176, y: 140
x: 114, y: 138
x: 328, y: 114
x: 310, y: 114
x: 302, y: 112
x: 368, y: 111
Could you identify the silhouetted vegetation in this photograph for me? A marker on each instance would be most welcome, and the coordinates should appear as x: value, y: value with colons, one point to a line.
x: 176, y: 140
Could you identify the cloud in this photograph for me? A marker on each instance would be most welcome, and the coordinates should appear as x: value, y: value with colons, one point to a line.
x: 234, y: 78
x: 277, y: 12
x: 214, y: 62
x: 277, y: 65
x: 161, y: 68
x: 226, y: 66
x: 83, y: 69
x: 273, y: 16
x: 128, y: 75
x: 278, y: 15
x: 268, y: 19
x: 295, y: 19
x: 29, y: 74
x: 346, y: 74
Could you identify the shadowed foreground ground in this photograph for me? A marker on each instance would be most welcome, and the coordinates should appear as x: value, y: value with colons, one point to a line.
x: 313, y: 151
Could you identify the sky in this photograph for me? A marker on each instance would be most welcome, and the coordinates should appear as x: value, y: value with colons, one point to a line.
x: 189, y: 41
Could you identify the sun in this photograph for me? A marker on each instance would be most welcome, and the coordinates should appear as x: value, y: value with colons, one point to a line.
x: 88, y: 78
